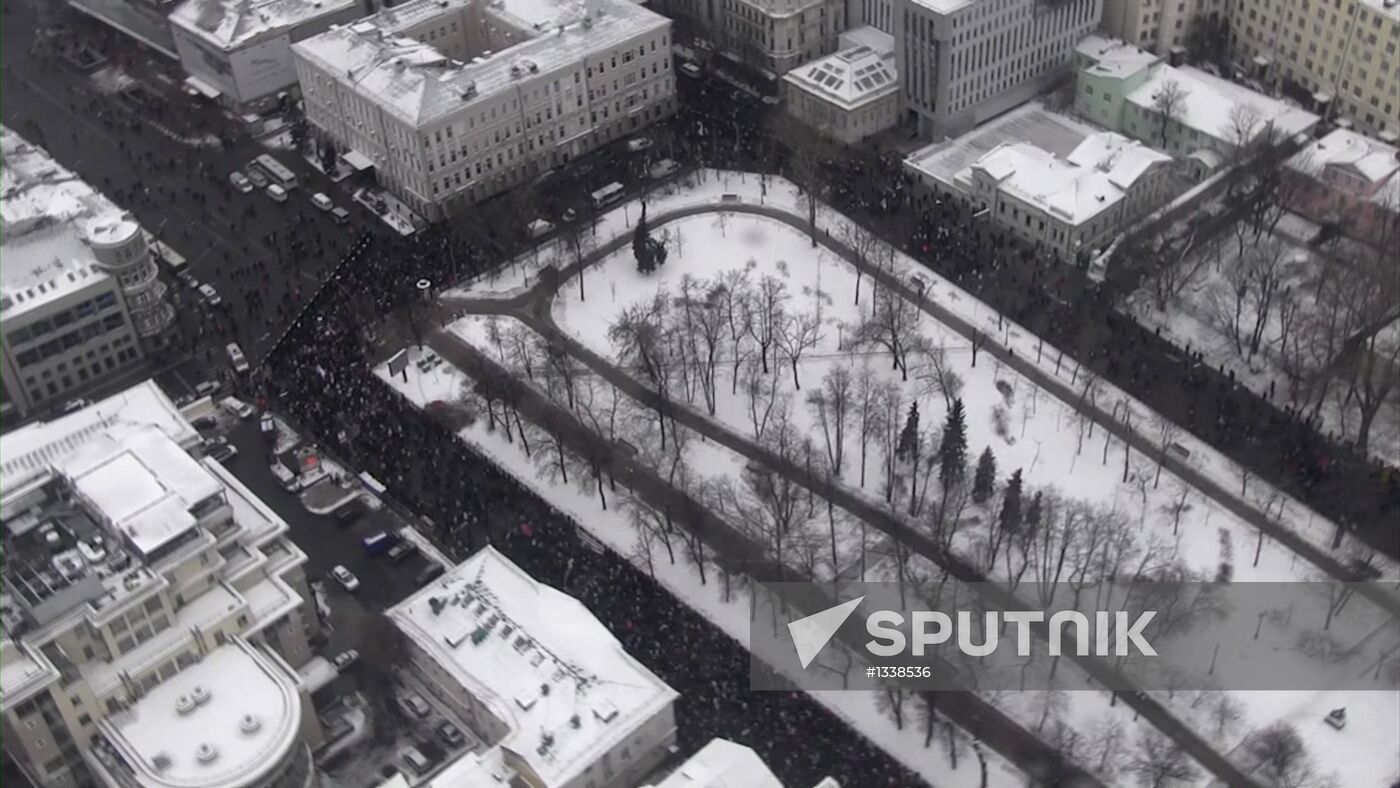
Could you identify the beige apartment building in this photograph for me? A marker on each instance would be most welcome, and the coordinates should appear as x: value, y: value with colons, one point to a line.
x: 1339, y: 56
x: 151, y: 617
x: 1159, y: 26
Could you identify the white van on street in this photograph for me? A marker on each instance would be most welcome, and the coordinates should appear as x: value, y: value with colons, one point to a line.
x: 321, y: 201
x: 277, y: 193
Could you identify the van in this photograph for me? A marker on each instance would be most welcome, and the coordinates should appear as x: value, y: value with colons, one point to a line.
x: 607, y: 195
x: 379, y: 543
x: 690, y: 70
x: 340, y: 215
x: 237, y: 359
x: 277, y: 193
x: 539, y: 228
x: 285, y: 477
x: 321, y: 201
x: 430, y: 573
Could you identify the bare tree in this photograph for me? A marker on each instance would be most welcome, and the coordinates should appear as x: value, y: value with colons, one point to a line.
x: 1169, y: 102
x: 762, y: 394
x: 863, y: 243
x: 1159, y: 762
x: 639, y: 336
x: 936, y: 374
x: 733, y: 298
x: 831, y: 406
x: 867, y: 412
x: 1282, y: 758
x: 798, y: 333
x: 768, y: 306
x: 1177, y: 271
x: 893, y: 326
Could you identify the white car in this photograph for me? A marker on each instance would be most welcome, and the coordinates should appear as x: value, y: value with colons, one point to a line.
x: 638, y: 144
x: 321, y: 201
x: 286, y: 478
x: 238, y: 407
x: 211, y: 296
x: 345, y: 578
x: 690, y: 70
x: 345, y: 659
x: 414, y: 706
x: 240, y: 182
x: 663, y: 168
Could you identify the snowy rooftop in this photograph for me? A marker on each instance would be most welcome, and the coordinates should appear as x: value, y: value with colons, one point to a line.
x: 21, y: 671
x: 852, y: 77
x: 1071, y: 193
x: 722, y: 764
x: 229, y: 24
x: 1385, y: 8
x: 1032, y: 122
x: 45, y: 213
x: 1113, y: 57
x: 538, y: 659
x: 1373, y: 160
x: 945, y: 6
x: 37, y: 446
x: 1209, y: 100
x: 219, y: 723
x: 418, y: 83
x: 1123, y: 160
x: 142, y: 482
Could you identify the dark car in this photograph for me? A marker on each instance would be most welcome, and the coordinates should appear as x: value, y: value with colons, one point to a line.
x: 430, y: 573
x: 348, y: 513
x: 450, y: 734
x: 401, y: 551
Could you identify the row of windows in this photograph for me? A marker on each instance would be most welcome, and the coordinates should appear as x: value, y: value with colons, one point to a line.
x: 62, y: 383
x: 72, y: 339
x: 39, y: 328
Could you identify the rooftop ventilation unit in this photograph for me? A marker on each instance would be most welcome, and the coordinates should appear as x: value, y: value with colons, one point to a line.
x: 184, y: 704
x: 249, y: 724
x: 206, y: 753
x: 200, y: 694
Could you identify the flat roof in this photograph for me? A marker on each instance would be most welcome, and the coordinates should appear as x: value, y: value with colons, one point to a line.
x: 722, y: 764
x: 538, y: 659
x: 1208, y: 101
x: 36, y: 447
x: 21, y: 671
x: 1113, y: 57
x: 143, y: 482
x: 1051, y: 131
x: 248, y: 720
x: 229, y: 24
x: 418, y: 83
x: 46, y: 213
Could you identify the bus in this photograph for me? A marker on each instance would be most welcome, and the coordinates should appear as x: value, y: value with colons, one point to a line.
x: 607, y: 195
x: 273, y: 169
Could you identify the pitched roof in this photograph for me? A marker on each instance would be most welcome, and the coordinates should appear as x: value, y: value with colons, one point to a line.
x: 850, y: 78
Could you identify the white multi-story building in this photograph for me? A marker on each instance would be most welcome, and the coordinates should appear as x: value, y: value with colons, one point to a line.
x: 240, y: 51
x: 137, y: 571
x: 962, y: 62
x: 550, y: 692
x: 1342, y: 54
x: 1068, y: 205
x: 851, y: 94
x: 79, y: 298
x: 453, y: 101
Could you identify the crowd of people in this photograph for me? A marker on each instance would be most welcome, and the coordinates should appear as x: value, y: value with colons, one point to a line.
x: 320, y: 376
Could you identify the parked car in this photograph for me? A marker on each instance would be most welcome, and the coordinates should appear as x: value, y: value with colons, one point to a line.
x: 638, y: 144
x: 345, y: 577
x: 430, y: 573
x: 416, y: 760
x: 401, y: 552
x: 450, y: 734
x: 240, y: 182
x: 568, y: 215
x: 277, y: 193
x: 379, y: 542
x: 663, y: 168
x: 286, y: 478
x: 187, y: 279
x: 345, y: 659
x: 210, y: 295
x: 223, y: 452
x: 258, y: 178
x: 75, y: 404
x: 237, y: 359
x: 205, y: 423
x: 690, y: 70
x: 349, y: 513
x: 206, y: 388
x: 238, y: 407
x: 414, y: 706
x: 340, y: 215
x: 321, y: 201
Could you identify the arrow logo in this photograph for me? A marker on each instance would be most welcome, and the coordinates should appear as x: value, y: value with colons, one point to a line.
x: 811, y: 634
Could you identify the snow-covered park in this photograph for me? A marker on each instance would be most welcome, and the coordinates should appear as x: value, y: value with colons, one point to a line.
x: 784, y: 343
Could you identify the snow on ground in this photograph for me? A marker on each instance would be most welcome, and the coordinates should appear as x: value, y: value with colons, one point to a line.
x: 613, y: 528
x: 1200, y: 318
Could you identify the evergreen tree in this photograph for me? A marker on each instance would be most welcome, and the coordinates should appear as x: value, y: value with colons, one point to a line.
x: 908, y: 448
x: 642, y: 247
x: 952, y: 455
x: 1010, y: 518
x: 984, y: 479
x: 1033, y: 513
